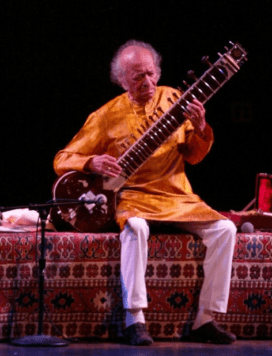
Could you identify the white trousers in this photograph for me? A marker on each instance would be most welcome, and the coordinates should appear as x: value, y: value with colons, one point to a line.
x: 219, y: 239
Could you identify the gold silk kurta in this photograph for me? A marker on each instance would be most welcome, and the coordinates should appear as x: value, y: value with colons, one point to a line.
x: 159, y: 190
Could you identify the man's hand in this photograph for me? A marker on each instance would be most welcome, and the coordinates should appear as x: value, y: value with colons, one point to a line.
x: 196, y: 114
x: 105, y: 164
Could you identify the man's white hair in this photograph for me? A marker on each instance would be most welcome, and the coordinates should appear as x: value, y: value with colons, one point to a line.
x: 118, y: 72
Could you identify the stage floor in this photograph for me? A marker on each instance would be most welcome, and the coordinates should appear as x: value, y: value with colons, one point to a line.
x: 162, y: 348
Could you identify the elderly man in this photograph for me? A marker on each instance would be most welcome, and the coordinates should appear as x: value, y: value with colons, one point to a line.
x: 159, y: 192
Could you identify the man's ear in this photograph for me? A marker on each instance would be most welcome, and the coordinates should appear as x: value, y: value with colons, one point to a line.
x: 123, y: 83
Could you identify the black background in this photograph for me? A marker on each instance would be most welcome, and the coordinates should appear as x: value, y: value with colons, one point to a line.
x: 55, y: 59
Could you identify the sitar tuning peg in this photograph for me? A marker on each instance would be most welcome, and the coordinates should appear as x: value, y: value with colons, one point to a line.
x: 226, y: 47
x: 160, y: 109
x: 191, y: 74
x: 181, y: 89
x: 206, y: 60
x: 175, y: 95
x: 185, y: 83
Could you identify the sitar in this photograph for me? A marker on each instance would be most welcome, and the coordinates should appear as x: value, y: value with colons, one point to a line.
x: 92, y: 197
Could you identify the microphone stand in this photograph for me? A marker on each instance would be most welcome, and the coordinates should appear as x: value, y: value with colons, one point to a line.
x: 40, y: 339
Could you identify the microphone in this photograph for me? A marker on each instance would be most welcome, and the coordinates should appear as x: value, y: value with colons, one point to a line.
x: 247, y: 227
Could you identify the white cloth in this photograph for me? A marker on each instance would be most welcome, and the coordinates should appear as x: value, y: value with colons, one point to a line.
x: 22, y: 220
x: 218, y: 237
x: 19, y: 220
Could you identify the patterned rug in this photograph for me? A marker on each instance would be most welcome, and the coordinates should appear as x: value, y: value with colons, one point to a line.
x: 82, y: 292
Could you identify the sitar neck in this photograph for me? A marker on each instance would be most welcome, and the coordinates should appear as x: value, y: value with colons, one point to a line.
x: 203, y: 89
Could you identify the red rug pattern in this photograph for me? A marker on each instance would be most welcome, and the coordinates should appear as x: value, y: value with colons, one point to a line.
x: 82, y: 296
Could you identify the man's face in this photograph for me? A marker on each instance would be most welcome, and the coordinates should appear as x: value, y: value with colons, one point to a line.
x: 141, y: 76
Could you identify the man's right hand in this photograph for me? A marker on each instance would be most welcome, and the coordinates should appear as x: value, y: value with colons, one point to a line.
x: 105, y: 164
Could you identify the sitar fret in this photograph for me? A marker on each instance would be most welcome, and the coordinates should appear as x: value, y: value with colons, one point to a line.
x: 147, y: 145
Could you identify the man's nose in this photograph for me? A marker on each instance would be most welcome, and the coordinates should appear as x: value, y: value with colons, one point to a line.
x: 147, y: 80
